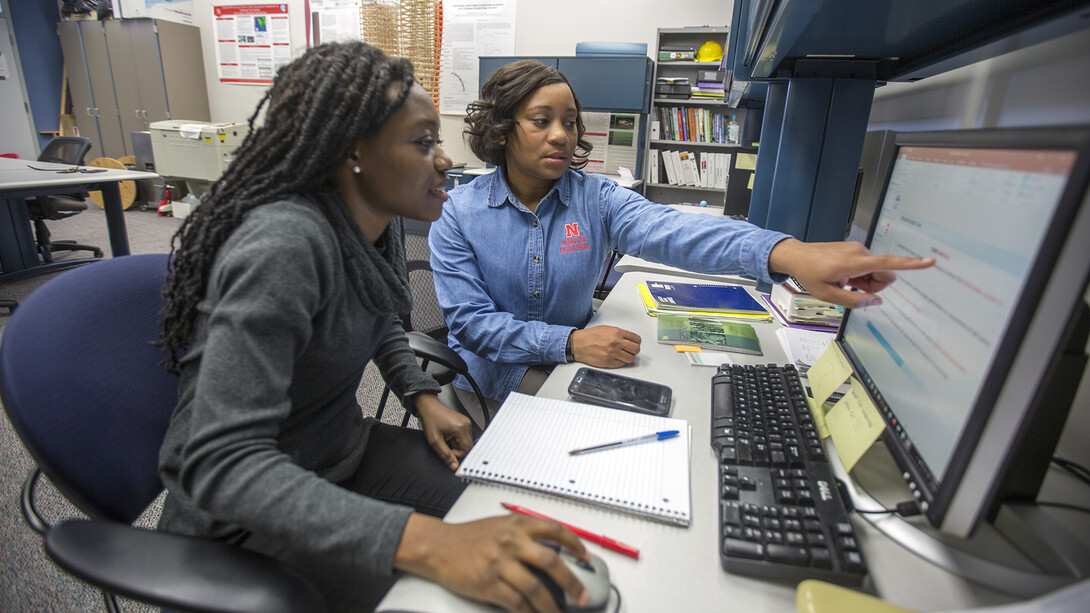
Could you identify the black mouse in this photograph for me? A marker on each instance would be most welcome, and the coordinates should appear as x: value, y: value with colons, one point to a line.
x: 594, y: 576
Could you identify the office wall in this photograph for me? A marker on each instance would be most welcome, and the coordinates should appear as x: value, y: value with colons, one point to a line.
x: 541, y: 28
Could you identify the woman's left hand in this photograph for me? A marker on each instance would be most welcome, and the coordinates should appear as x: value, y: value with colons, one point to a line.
x: 446, y: 430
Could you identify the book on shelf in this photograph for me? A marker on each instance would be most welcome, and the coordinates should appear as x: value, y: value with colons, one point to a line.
x: 799, y: 306
x: 668, y: 166
x: 713, y: 76
x: 653, y: 310
x: 707, y: 297
x: 674, y: 56
x: 653, y: 167
x: 708, y: 333
x: 688, y: 168
x: 527, y: 446
x: 706, y: 92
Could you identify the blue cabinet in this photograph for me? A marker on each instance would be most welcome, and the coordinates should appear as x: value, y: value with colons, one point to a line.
x: 620, y: 83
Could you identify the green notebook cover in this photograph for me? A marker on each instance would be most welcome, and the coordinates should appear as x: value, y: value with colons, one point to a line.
x: 708, y: 334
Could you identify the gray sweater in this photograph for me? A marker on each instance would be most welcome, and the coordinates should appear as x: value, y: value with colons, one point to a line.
x: 267, y: 421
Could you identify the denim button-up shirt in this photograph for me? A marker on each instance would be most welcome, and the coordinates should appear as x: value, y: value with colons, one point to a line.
x: 513, y: 283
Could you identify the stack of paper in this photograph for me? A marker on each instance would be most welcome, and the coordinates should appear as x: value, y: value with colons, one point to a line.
x: 804, y: 347
x: 798, y: 306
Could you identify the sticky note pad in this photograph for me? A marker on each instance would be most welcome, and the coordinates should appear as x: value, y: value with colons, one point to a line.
x: 687, y: 349
x: 819, y: 418
x: 854, y: 424
x: 828, y: 373
x: 747, y: 161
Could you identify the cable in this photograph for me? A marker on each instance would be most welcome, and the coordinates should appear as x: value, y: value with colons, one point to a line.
x: 1079, y: 471
x: 1063, y: 505
x: 618, y: 593
x: 907, y: 508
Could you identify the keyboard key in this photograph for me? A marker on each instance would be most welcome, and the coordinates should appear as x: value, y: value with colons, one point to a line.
x: 788, y: 554
x: 743, y: 549
x: 820, y: 557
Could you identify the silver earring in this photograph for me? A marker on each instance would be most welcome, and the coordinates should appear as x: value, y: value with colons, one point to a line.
x: 355, y: 170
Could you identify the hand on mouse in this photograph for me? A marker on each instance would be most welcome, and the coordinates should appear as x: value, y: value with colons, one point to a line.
x: 487, y: 559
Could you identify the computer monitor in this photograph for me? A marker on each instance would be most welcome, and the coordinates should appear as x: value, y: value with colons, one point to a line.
x: 973, y: 363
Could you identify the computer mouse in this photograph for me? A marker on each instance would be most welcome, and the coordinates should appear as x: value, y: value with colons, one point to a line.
x: 594, y: 575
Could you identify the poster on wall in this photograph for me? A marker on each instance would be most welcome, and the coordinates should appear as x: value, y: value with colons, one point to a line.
x: 178, y: 11
x: 615, y: 138
x: 333, y: 21
x: 252, y: 42
x: 471, y: 29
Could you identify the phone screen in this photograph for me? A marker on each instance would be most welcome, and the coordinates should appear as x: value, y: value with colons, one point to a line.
x: 620, y: 392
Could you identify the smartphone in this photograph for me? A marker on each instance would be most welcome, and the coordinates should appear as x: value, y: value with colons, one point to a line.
x: 619, y: 392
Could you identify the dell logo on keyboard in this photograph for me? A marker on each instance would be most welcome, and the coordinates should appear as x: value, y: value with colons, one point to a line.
x: 824, y: 490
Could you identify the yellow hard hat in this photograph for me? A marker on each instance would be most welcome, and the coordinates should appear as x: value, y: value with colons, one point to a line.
x: 710, y: 51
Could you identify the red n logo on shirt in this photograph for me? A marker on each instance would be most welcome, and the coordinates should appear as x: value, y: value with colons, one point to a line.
x: 571, y: 229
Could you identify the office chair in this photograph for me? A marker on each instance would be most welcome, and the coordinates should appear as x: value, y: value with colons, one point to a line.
x: 426, y: 329
x: 62, y: 150
x: 83, y: 387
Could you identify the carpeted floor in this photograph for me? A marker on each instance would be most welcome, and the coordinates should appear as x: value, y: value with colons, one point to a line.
x: 29, y: 582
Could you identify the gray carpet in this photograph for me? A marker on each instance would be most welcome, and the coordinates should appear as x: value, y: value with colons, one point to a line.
x: 29, y: 582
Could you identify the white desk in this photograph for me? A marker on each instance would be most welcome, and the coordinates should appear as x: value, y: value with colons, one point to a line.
x: 631, y: 263
x: 679, y: 568
x: 18, y: 182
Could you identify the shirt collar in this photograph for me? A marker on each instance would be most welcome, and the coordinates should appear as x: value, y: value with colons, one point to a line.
x: 500, y: 192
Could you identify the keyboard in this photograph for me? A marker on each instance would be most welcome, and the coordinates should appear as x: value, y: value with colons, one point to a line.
x: 780, y: 511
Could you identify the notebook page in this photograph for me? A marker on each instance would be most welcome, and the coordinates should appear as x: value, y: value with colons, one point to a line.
x: 527, y: 445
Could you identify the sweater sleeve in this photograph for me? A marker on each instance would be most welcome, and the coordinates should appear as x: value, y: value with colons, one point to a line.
x: 263, y: 294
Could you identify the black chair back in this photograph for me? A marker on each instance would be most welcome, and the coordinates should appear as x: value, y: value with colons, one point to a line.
x: 66, y: 150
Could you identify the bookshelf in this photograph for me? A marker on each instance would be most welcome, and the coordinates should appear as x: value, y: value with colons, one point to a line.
x: 685, y: 125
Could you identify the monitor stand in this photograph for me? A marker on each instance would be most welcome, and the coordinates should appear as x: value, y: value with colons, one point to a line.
x: 1025, y: 552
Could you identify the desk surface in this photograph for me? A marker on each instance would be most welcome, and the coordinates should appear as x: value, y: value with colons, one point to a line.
x: 679, y: 568
x: 21, y: 174
x: 23, y: 179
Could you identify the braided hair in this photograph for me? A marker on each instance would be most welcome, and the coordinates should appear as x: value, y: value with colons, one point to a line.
x: 318, y: 108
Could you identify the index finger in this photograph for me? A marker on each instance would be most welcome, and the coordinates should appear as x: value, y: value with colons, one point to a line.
x: 888, y: 261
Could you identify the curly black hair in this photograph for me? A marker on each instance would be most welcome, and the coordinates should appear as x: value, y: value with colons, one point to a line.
x: 318, y: 108
x: 490, y: 119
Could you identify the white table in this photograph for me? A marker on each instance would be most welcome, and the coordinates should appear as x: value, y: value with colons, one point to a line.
x: 679, y: 568
x: 19, y: 180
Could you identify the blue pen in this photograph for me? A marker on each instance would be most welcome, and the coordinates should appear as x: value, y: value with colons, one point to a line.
x: 658, y: 436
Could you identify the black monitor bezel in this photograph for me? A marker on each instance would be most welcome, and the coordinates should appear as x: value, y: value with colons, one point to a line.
x: 937, y: 491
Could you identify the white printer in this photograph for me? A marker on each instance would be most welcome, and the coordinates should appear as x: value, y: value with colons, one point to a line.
x: 194, y: 150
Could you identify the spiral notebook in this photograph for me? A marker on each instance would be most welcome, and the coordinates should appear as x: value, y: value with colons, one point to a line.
x: 527, y: 446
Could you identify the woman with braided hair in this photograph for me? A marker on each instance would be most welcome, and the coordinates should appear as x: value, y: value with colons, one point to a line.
x: 284, y: 283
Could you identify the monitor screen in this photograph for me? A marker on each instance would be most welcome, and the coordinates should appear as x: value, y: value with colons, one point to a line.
x: 994, y: 209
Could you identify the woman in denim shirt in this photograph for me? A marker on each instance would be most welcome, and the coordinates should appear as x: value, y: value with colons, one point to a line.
x: 516, y: 253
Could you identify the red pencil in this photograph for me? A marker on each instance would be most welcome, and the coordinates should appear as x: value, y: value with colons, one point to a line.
x: 604, y: 541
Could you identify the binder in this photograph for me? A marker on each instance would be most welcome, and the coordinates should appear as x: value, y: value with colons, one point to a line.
x: 527, y: 446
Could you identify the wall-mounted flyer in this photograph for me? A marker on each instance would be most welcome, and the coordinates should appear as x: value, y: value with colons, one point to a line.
x: 252, y: 42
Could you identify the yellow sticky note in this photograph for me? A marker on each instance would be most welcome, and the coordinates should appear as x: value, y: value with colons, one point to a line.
x: 685, y: 348
x: 828, y: 373
x: 746, y: 161
x: 750, y: 185
x: 854, y: 424
x: 819, y: 418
